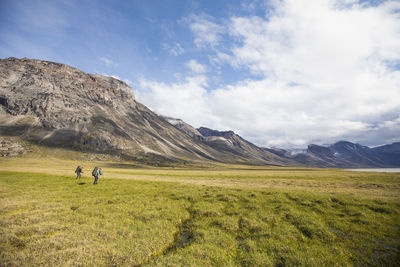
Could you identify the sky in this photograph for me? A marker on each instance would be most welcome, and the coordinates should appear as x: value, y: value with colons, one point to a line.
x: 280, y: 73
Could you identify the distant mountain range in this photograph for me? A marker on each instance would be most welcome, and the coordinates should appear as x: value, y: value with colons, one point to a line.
x: 342, y: 154
x: 345, y: 154
x: 231, y: 144
x: 55, y: 105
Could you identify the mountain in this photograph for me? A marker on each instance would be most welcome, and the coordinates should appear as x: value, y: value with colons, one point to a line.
x: 357, y: 154
x: 347, y: 154
x: 230, y: 144
x: 186, y: 128
x: 389, y: 153
x: 344, y: 154
x: 52, y: 104
x: 390, y: 149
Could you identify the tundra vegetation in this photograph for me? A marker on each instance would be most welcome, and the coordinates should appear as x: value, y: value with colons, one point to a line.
x: 223, y: 215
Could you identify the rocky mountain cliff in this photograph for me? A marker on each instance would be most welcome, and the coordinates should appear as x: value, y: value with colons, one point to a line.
x: 230, y: 144
x: 228, y: 141
x: 55, y: 105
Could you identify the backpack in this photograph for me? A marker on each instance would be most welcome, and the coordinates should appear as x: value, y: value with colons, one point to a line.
x: 78, y: 169
x: 94, y: 172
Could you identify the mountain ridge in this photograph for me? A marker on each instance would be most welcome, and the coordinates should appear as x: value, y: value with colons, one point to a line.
x: 342, y: 154
x: 55, y: 105
x: 345, y: 154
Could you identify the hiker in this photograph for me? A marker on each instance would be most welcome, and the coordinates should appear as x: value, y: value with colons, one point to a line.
x: 78, y: 172
x: 96, y: 171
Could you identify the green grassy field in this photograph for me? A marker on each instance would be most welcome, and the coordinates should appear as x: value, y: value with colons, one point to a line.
x: 220, y: 215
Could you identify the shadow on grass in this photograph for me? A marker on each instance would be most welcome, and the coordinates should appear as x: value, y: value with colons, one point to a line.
x: 81, y: 183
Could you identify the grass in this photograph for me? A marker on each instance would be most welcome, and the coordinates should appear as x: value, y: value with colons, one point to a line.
x: 221, y: 216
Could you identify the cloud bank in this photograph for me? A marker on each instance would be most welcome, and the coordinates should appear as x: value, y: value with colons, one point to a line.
x: 322, y: 71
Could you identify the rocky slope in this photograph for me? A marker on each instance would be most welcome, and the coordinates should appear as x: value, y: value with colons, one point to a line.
x: 11, y: 148
x: 56, y: 105
x: 389, y: 153
x: 229, y: 143
x: 342, y: 154
x: 186, y: 128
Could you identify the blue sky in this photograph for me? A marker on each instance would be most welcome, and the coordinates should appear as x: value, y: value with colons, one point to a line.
x: 280, y: 73
x: 130, y: 39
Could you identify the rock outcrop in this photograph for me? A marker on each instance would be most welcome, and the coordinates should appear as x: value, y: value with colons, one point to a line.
x: 11, y: 148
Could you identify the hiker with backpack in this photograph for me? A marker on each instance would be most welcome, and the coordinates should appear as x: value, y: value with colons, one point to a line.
x: 95, y: 173
x: 78, y: 172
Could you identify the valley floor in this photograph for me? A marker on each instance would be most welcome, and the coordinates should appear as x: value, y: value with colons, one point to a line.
x: 209, y: 215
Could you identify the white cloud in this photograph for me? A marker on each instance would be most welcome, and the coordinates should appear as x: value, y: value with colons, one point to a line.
x: 108, y: 62
x: 314, y: 41
x: 206, y: 31
x: 111, y: 75
x: 326, y: 75
x: 175, y: 49
x: 127, y: 81
x: 187, y: 99
x: 196, y: 67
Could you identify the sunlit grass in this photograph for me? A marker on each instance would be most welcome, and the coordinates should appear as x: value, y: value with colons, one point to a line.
x: 193, y: 217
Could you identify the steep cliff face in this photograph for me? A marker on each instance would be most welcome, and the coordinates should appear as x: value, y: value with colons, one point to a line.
x: 56, y: 105
x: 58, y: 94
